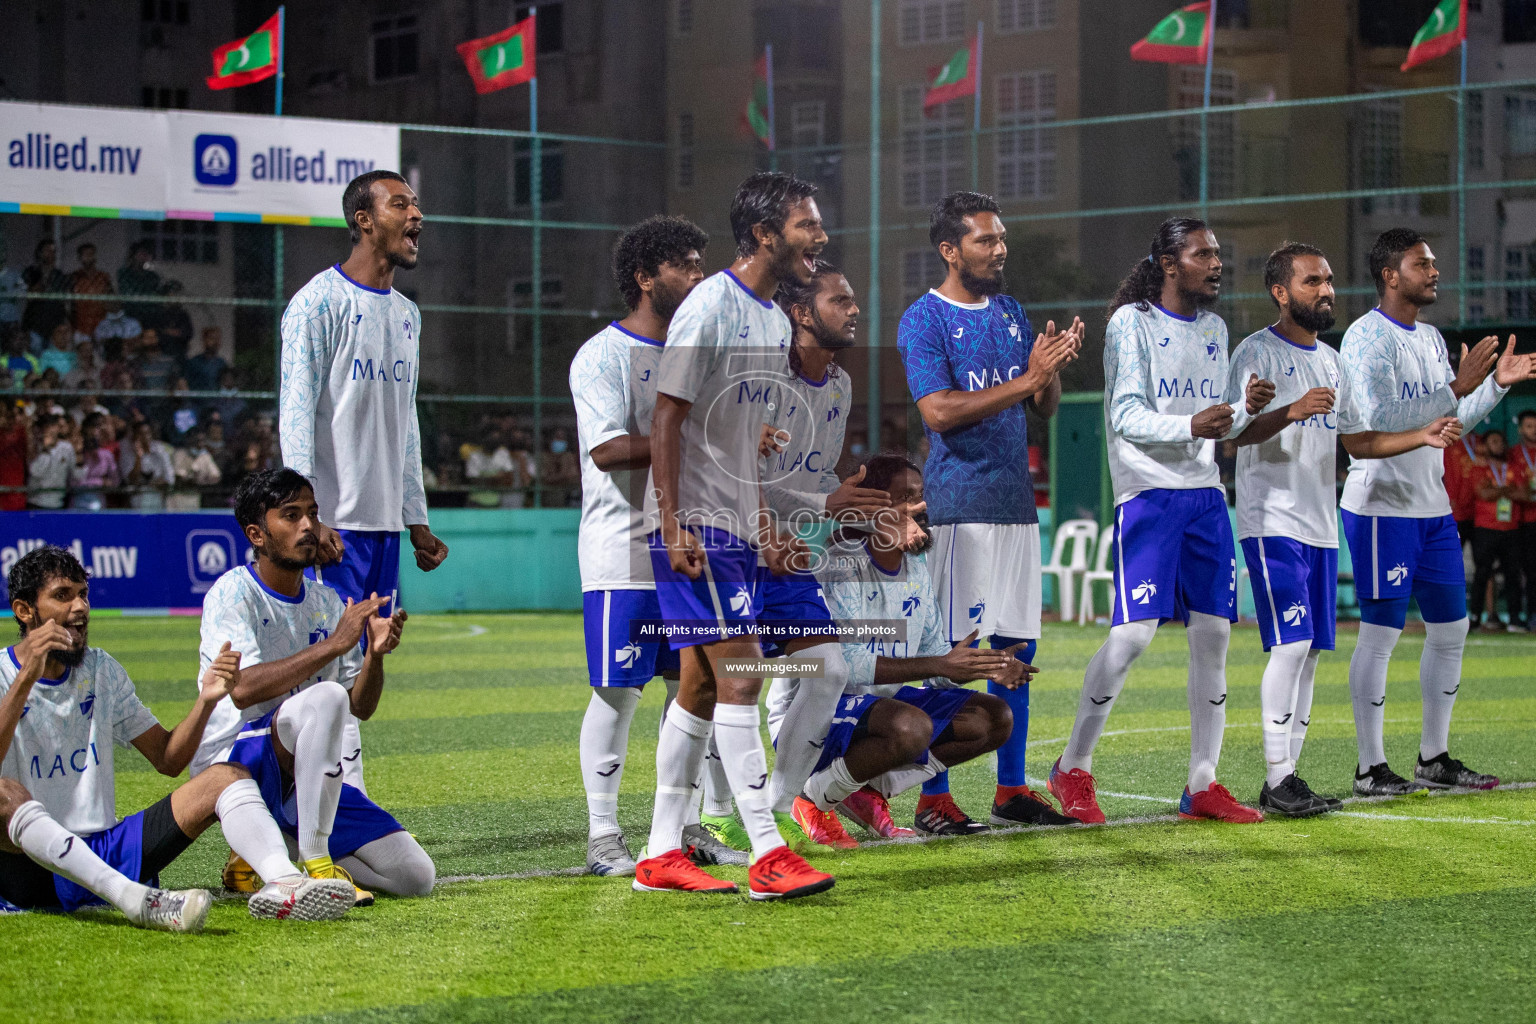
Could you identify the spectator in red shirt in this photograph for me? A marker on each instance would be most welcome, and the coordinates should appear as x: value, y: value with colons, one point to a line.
x: 1500, y: 485
x: 1460, y: 460
x: 13, y: 458
x: 1524, y: 455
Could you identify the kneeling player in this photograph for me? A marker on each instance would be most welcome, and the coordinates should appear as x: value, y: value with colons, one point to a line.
x: 874, y: 578
x: 64, y: 706
x: 304, y: 671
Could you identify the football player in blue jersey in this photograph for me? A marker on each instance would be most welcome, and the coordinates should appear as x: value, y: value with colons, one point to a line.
x: 973, y: 363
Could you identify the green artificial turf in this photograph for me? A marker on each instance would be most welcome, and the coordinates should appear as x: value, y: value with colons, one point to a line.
x: 1416, y: 909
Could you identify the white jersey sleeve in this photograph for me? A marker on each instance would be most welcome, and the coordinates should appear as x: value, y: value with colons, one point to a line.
x: 813, y: 416
x: 130, y: 718
x: 308, y: 328
x: 413, y: 497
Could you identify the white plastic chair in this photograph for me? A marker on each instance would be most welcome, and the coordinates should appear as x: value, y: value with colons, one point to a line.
x: 1100, y: 573
x: 1076, y: 536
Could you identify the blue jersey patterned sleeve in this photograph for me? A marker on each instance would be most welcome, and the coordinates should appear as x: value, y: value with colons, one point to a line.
x: 1128, y: 374
x: 1370, y: 358
x: 413, y: 499
x: 920, y: 338
x: 305, y: 367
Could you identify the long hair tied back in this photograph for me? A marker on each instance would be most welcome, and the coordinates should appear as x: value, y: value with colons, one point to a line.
x: 1143, y: 286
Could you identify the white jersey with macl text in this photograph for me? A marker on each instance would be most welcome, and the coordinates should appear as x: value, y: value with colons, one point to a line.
x: 264, y: 626
x: 347, y: 402
x: 811, y: 418
x: 1160, y: 370
x: 1286, y: 486
x: 613, y: 380
x: 62, y: 751
x: 857, y: 589
x: 725, y: 352
x: 1401, y: 377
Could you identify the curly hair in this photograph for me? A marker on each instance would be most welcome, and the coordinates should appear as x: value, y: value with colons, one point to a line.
x: 649, y: 244
x: 880, y: 470
x: 1388, y: 253
x: 1143, y: 286
x: 765, y: 198
x: 33, y: 570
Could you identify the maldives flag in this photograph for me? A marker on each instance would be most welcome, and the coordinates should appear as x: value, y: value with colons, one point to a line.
x: 1442, y: 33
x: 1181, y: 38
x: 506, y: 58
x: 247, y: 60
x: 756, y: 113
x: 956, y: 78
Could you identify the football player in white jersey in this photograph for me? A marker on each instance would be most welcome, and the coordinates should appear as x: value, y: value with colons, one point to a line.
x: 1165, y: 408
x: 613, y: 380
x: 1286, y: 508
x: 351, y: 363
x: 304, y: 672
x: 64, y: 705
x: 1397, y: 515
x: 876, y: 748
x: 715, y: 379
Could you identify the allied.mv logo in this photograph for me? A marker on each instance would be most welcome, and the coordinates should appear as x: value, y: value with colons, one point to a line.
x: 627, y: 655
x: 1295, y: 613
x: 1397, y: 575
x: 212, y: 559
x: 1144, y: 592
x: 215, y: 160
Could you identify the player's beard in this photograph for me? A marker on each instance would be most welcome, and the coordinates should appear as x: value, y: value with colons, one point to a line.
x: 783, y: 264
x: 1423, y: 297
x: 74, y: 655
x: 402, y: 261
x: 1310, y: 318
x: 978, y: 285
x: 826, y: 337
x: 664, y: 301
x: 1201, y: 299
x: 289, y: 564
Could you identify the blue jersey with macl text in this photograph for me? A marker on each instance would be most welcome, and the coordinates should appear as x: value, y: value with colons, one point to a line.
x: 979, y: 473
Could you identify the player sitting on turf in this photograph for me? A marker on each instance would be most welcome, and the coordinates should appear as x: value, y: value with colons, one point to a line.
x: 877, y: 748
x: 304, y: 671
x: 63, y: 706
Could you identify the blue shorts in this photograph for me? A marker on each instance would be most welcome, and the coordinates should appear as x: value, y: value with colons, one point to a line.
x: 717, y: 605
x: 359, y: 821
x: 1393, y: 555
x: 614, y: 656
x: 369, y: 565
x: 1174, y: 555
x: 789, y: 601
x: 1295, y: 590
x: 939, y: 705
x: 122, y: 847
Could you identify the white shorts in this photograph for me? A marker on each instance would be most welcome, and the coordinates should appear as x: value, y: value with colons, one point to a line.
x: 987, y: 577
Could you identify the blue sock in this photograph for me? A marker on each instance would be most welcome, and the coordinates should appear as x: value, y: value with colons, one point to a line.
x: 1010, y: 756
x: 936, y: 785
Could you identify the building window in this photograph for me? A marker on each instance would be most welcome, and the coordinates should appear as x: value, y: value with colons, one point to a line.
x: 1474, y: 102
x: 1476, y: 263
x: 1222, y: 144
x: 165, y: 12
x: 551, y: 170
x: 549, y: 32
x: 1517, y: 301
x: 163, y: 97
x: 1520, y: 124
x: 182, y: 241
x: 1520, y: 21
x: 1025, y: 15
x: 808, y: 123
x: 921, y: 269
x: 930, y: 21
x: 934, y: 148
x: 553, y: 296
x: 684, y: 151
x: 396, y: 48
x: 1026, y: 155
x: 684, y: 17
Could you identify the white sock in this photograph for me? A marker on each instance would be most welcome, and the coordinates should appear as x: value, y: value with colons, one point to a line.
x: 678, y: 754
x: 1278, y: 705
x: 780, y: 693
x: 897, y: 781
x: 251, y: 832
x: 746, y: 766
x: 64, y: 853
x: 1439, y: 679
x: 1102, y: 683
x: 1208, y: 636
x: 352, y: 752
x: 1303, y: 716
x: 1368, y: 689
x: 310, y: 726
x: 395, y: 864
x: 604, y: 743
x: 831, y: 786
x: 805, y: 724
x: 714, y: 787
